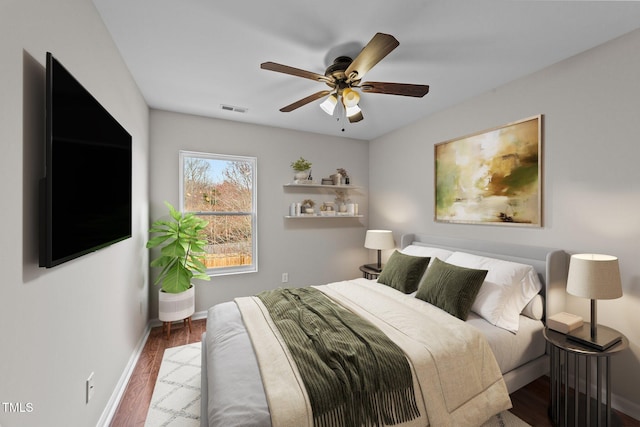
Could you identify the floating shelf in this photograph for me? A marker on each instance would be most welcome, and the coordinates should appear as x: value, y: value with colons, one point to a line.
x: 314, y: 216
x: 329, y: 187
x: 339, y: 190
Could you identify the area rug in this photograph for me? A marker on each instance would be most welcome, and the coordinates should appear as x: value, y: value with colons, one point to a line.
x: 176, y: 396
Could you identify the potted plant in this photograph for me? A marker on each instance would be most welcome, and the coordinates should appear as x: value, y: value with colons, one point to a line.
x: 344, y: 175
x: 181, y: 240
x: 307, y: 205
x: 301, y: 167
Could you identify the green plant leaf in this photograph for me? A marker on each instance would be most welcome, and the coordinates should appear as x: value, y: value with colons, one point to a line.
x: 202, y: 276
x: 174, y: 249
x: 197, y: 247
x: 157, y: 241
x: 161, y: 261
x: 177, y: 279
x: 182, y: 245
x: 301, y: 165
x: 197, y: 265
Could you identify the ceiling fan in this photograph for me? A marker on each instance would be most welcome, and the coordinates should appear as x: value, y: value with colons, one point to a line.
x: 345, y: 75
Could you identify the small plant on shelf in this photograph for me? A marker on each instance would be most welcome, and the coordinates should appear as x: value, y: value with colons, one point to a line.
x: 344, y: 176
x: 341, y: 198
x: 308, y: 203
x: 301, y: 165
x: 343, y: 172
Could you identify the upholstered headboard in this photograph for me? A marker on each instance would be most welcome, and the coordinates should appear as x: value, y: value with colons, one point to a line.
x: 551, y: 264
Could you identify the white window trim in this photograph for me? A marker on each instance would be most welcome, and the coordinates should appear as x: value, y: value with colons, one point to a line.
x: 253, y: 268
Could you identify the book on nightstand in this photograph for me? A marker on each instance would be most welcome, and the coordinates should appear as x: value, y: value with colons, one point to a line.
x: 564, y: 322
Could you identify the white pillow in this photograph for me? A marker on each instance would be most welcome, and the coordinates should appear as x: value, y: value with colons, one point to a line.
x: 425, y: 251
x: 535, y: 308
x: 507, y: 288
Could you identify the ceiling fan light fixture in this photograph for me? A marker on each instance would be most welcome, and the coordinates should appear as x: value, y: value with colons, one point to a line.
x: 352, y: 111
x: 350, y: 97
x: 329, y: 104
x: 344, y: 78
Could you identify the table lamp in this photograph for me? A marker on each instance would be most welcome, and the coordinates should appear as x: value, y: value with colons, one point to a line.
x: 594, y: 276
x: 378, y: 239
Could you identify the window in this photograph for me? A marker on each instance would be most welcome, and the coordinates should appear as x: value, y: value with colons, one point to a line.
x: 222, y: 190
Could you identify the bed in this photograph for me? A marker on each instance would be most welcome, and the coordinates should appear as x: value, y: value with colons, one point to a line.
x: 505, y: 355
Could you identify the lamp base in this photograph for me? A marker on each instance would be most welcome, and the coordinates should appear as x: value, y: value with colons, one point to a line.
x: 604, y: 338
x: 374, y: 267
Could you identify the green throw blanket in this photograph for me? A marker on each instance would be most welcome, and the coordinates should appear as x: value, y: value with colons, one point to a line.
x: 354, y: 375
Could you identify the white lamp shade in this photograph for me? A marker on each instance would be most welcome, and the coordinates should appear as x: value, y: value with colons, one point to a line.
x: 350, y: 97
x: 352, y: 111
x: 329, y: 104
x: 594, y: 276
x: 379, y: 239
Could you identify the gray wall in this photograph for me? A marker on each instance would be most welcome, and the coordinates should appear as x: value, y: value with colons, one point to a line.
x: 88, y: 315
x: 591, y: 200
x: 312, y: 251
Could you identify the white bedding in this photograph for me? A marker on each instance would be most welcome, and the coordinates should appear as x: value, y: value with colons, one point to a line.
x: 512, y: 350
x: 244, y: 403
x: 234, y: 387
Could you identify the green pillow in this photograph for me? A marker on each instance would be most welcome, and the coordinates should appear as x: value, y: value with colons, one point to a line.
x: 403, y: 272
x: 451, y: 287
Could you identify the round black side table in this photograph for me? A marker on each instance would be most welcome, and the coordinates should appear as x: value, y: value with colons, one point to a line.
x: 369, y: 273
x: 570, y: 403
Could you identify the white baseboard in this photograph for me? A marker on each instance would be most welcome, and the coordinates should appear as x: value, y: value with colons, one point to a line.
x: 200, y: 315
x: 110, y: 410
x: 625, y: 406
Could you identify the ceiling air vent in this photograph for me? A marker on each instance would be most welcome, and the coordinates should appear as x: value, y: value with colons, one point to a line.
x: 234, y: 109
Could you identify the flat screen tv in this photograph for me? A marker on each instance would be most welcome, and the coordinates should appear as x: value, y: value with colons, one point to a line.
x: 86, y: 192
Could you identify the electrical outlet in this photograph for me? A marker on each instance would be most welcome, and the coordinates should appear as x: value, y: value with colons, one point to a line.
x: 285, y: 277
x: 90, y: 387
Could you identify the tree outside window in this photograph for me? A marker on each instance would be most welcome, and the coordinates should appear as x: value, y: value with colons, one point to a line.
x: 221, y: 189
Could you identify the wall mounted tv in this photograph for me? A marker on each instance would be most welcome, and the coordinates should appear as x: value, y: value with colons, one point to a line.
x: 86, y: 192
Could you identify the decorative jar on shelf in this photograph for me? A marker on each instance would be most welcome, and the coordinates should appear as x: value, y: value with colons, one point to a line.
x: 328, y: 206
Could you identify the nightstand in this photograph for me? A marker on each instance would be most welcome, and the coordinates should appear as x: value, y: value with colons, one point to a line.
x: 572, y: 362
x: 369, y: 273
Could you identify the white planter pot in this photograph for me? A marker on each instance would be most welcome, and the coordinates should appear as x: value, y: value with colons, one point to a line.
x: 301, y: 175
x: 173, y: 307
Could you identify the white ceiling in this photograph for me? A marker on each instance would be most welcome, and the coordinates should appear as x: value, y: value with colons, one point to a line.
x: 192, y: 56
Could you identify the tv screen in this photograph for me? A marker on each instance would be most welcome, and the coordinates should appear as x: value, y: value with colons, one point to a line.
x: 86, y: 191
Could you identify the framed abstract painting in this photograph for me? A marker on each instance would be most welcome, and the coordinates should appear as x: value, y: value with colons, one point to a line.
x: 491, y: 177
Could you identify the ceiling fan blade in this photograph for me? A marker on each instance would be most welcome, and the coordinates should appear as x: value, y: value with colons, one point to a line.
x: 378, y: 47
x: 356, y: 117
x: 305, y: 101
x: 272, y: 66
x: 404, y: 89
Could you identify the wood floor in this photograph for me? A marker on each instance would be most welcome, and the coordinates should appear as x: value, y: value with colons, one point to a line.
x: 529, y: 403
